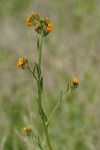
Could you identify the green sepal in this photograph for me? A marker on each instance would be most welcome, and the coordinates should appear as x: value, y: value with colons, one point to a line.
x: 74, y: 86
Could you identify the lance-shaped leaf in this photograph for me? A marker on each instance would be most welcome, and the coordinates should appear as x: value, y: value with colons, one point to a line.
x: 38, y: 69
x: 34, y: 69
x: 68, y: 86
x: 61, y: 96
x: 41, y: 84
x: 44, y: 117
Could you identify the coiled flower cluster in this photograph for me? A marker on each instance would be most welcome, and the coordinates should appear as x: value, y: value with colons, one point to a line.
x: 41, y: 25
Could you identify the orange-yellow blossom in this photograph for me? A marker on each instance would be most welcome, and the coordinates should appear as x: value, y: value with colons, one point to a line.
x: 75, y: 80
x: 20, y: 63
x: 23, y: 63
x: 26, y: 129
x: 49, y: 27
x: 36, y: 27
x: 28, y: 21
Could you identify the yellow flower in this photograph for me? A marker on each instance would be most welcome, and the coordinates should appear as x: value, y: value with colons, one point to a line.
x: 36, y: 27
x: 26, y: 129
x: 22, y: 63
x: 75, y: 80
x: 49, y: 27
x: 28, y: 21
x: 74, y: 83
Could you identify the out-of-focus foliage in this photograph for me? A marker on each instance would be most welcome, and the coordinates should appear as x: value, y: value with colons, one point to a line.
x: 71, y: 50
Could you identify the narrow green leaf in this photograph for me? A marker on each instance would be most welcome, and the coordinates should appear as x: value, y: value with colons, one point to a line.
x: 35, y: 136
x: 68, y: 87
x: 38, y: 44
x: 38, y: 140
x: 61, y: 96
x: 38, y: 69
x: 34, y: 69
x: 41, y: 84
x: 45, y: 117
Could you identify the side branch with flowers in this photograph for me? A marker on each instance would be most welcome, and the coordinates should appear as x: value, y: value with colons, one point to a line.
x: 43, y: 27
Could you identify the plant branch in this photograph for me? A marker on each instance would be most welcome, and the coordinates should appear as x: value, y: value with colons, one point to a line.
x: 32, y: 72
x: 57, y: 105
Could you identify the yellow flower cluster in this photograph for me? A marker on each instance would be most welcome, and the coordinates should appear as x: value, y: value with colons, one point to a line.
x: 75, y: 81
x: 26, y: 129
x: 41, y: 25
x: 22, y: 63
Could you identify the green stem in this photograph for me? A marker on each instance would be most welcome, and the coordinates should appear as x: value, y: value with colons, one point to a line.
x: 57, y: 105
x: 47, y: 135
x: 40, y: 49
x: 43, y: 116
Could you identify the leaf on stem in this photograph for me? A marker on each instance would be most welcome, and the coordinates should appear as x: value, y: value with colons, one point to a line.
x: 34, y: 70
x: 38, y: 140
x: 61, y: 96
x: 38, y: 44
x: 44, y: 117
x: 41, y: 84
x: 38, y: 69
x: 68, y: 87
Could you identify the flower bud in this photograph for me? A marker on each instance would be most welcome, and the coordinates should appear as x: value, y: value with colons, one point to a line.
x: 75, y: 83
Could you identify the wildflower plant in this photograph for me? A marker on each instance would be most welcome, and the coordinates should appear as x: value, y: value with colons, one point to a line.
x: 43, y: 26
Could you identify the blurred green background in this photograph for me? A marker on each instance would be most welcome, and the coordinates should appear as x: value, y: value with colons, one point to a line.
x: 73, y: 49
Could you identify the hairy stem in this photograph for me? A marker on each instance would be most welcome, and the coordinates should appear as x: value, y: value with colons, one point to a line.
x: 40, y: 49
x: 42, y: 114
